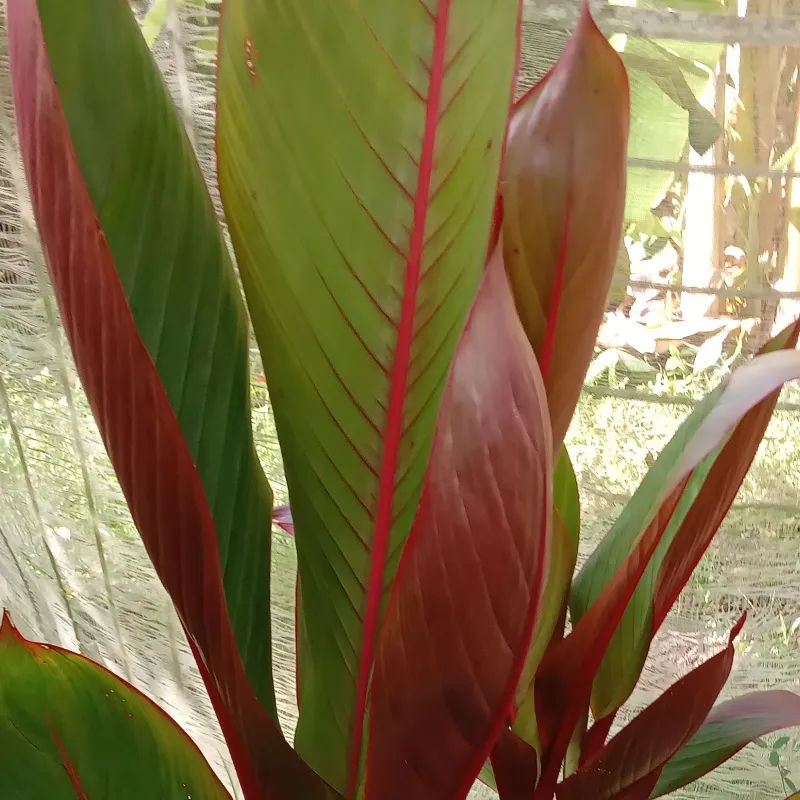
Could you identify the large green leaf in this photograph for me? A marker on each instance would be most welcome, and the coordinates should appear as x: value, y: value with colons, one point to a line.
x: 359, y: 148
x: 153, y: 313
x: 703, y: 504
x: 71, y: 729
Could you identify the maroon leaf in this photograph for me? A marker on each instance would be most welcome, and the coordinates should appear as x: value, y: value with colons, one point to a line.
x: 629, y: 765
x: 727, y: 729
x: 462, y: 610
x: 564, y: 197
x: 136, y: 418
x: 564, y: 680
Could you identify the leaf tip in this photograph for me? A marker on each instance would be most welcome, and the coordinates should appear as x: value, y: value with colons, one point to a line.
x: 8, y: 631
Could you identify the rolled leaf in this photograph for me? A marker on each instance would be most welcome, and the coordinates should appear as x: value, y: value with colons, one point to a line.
x: 564, y: 196
x: 565, y: 677
x: 629, y: 765
x: 359, y: 149
x: 471, y: 576
x: 708, y: 495
x: 70, y: 728
x: 727, y: 729
x: 158, y: 330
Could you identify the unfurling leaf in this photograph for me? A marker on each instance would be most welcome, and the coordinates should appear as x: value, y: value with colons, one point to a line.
x: 564, y: 196
x: 471, y: 578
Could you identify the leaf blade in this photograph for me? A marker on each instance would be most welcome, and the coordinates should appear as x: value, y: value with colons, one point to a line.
x: 727, y: 729
x: 703, y: 504
x: 171, y: 399
x: 359, y: 191
x: 634, y: 757
x: 470, y: 580
x: 562, y: 688
x: 49, y: 700
x: 564, y: 197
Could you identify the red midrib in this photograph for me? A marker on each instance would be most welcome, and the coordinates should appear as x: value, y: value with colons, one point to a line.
x: 69, y: 767
x: 397, y: 392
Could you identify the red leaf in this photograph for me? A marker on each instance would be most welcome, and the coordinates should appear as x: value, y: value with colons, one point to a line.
x: 727, y: 729
x: 462, y: 609
x: 716, y: 496
x: 149, y: 452
x: 564, y: 680
x: 564, y: 197
x: 632, y: 761
x: 516, y: 766
x: 282, y: 517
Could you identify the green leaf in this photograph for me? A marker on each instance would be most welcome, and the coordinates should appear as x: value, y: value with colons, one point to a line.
x: 780, y: 742
x: 359, y: 149
x: 566, y: 498
x: 516, y: 763
x: 701, y: 506
x: 158, y: 329
x: 70, y: 728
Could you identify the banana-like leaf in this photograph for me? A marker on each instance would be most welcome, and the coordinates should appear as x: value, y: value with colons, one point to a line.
x: 156, y: 323
x: 71, y: 729
x: 564, y: 196
x: 470, y: 580
x: 629, y: 765
x: 565, y: 677
x: 703, y: 505
x: 727, y: 729
x: 359, y: 152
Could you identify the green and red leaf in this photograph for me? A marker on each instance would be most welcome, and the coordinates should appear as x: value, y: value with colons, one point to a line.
x: 70, y: 728
x: 152, y: 310
x: 704, y: 502
x: 630, y: 764
x: 462, y: 610
x: 516, y: 755
x: 567, y: 673
x: 564, y: 197
x: 359, y: 151
x: 727, y: 729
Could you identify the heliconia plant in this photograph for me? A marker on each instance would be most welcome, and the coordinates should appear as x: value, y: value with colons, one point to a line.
x: 425, y: 263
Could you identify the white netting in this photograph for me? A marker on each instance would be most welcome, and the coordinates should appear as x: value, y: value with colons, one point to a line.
x: 72, y: 569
